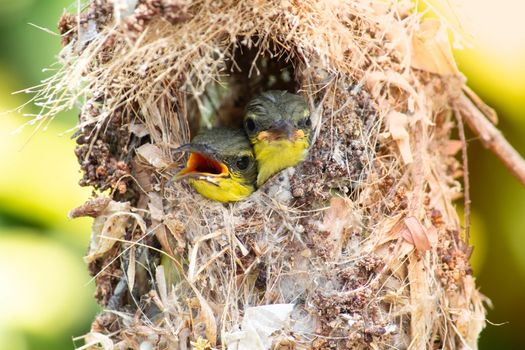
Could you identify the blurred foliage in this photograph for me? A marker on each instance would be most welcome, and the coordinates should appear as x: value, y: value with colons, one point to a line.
x: 45, y: 294
x: 45, y: 290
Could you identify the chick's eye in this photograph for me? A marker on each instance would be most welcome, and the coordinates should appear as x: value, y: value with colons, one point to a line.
x: 250, y: 124
x: 306, y: 122
x: 243, y: 162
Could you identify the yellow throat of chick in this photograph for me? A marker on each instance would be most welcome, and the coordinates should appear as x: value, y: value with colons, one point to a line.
x: 274, y: 153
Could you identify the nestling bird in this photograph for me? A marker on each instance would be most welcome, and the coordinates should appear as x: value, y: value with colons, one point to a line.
x: 278, y: 125
x: 221, y: 165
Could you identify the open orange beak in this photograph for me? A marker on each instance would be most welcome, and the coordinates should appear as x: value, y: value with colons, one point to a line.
x: 200, y: 165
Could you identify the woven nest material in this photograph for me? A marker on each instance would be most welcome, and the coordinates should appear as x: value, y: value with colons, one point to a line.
x: 358, y: 247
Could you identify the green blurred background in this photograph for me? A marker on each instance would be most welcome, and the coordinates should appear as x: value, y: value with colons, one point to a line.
x: 45, y: 291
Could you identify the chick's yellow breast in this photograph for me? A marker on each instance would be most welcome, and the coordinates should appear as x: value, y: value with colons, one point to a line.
x: 276, y: 155
x: 226, y: 190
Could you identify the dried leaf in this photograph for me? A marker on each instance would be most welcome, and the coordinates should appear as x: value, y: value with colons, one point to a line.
x: 431, y: 49
x: 109, y: 227
x: 412, y: 231
x: 92, y: 208
x: 153, y: 155
x: 155, y: 206
x: 139, y: 130
x: 142, y: 174
x: 416, y: 234
x: 397, y: 125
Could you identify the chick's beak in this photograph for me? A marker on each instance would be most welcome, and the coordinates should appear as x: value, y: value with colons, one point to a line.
x: 281, y: 129
x: 284, y: 128
x: 201, y: 164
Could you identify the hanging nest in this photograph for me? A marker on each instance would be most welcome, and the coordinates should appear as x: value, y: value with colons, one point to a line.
x: 358, y: 247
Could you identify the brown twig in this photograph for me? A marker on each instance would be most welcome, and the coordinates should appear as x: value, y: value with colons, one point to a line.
x: 491, y: 137
x: 487, y: 111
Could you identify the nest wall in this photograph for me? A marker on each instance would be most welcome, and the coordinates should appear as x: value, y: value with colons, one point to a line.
x: 360, y: 245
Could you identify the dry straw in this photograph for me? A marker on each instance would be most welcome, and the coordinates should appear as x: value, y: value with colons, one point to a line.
x: 359, y: 247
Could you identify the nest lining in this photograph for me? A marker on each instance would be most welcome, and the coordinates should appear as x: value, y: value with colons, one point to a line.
x: 362, y: 238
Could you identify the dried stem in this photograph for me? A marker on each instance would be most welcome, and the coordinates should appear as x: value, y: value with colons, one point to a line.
x: 491, y: 137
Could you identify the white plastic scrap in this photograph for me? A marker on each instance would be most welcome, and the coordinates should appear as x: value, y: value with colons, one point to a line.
x: 258, y: 324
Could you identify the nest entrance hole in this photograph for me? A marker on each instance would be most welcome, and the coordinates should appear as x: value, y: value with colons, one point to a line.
x: 249, y: 71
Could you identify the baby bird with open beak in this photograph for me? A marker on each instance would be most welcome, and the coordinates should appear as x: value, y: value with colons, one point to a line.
x: 221, y: 165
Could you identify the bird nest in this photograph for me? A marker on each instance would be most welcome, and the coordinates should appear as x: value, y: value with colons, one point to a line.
x: 358, y: 247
